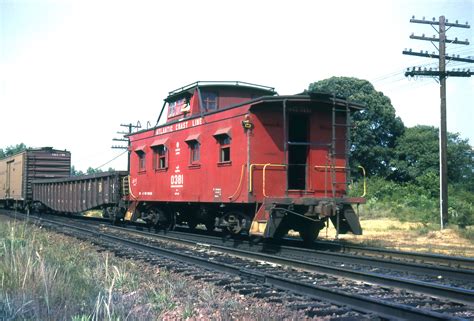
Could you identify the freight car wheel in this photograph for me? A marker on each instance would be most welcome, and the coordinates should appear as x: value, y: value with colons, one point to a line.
x: 114, y: 214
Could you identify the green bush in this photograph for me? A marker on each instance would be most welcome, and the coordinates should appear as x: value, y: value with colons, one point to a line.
x: 415, y: 202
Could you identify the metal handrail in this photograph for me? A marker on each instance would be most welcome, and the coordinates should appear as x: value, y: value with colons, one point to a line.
x: 204, y: 83
x: 251, y: 172
x: 263, y: 179
x: 365, y: 180
x: 325, y: 167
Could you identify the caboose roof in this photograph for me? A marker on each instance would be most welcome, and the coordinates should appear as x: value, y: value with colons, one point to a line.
x: 188, y: 90
x: 319, y: 97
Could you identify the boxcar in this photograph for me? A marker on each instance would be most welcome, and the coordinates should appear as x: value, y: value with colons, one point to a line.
x: 241, y: 157
x: 81, y: 193
x: 18, y: 171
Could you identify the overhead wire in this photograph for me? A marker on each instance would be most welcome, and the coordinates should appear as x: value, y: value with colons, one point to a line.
x: 111, y: 160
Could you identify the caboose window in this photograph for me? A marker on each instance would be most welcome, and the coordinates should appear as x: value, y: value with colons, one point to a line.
x: 160, y: 157
x: 224, y: 150
x: 209, y: 101
x: 194, y: 151
x: 223, y: 137
x: 141, y: 160
x: 172, y: 109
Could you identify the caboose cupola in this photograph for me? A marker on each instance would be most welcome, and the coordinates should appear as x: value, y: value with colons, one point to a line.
x: 204, y: 97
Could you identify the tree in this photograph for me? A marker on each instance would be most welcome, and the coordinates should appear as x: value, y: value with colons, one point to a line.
x: 417, y: 155
x: 12, y: 150
x: 75, y: 172
x: 91, y: 170
x: 376, y: 128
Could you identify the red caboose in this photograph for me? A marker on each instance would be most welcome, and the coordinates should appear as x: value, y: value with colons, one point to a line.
x: 238, y: 156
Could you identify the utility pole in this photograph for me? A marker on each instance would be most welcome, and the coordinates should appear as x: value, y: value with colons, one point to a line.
x: 130, y: 128
x: 441, y: 74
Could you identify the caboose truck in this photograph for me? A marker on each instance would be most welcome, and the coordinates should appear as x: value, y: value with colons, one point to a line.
x: 240, y: 157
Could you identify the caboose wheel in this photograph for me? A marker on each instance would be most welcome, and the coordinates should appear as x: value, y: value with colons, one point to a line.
x: 309, y: 232
x: 192, y: 224
x: 170, y: 222
x: 235, y: 222
x: 210, y: 226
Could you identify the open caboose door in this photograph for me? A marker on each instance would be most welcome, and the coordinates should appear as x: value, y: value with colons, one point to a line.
x: 298, y: 150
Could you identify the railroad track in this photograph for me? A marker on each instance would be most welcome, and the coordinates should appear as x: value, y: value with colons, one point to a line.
x: 321, y: 249
x: 296, y: 276
x: 434, y: 259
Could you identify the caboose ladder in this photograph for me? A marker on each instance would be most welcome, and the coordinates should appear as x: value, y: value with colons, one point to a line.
x: 333, y: 154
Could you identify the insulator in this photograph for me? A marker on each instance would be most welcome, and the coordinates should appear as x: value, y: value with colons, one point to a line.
x: 412, y: 34
x: 434, y: 19
x: 413, y: 17
x: 456, y: 39
x: 431, y: 69
x: 423, y: 18
x: 447, y: 20
x: 457, y: 21
x: 423, y: 35
x: 419, y: 68
x: 410, y: 50
x: 424, y: 69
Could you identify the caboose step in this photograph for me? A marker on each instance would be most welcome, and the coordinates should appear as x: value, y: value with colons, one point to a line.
x: 129, y: 215
x: 265, y: 222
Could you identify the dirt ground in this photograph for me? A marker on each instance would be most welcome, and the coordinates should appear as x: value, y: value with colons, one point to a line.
x: 407, y: 236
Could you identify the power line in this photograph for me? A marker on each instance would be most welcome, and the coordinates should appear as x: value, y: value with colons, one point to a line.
x: 111, y: 160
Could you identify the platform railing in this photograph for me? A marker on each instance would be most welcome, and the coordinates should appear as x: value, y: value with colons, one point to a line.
x: 344, y: 168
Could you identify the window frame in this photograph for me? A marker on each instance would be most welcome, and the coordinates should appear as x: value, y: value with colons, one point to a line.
x: 160, y: 153
x: 141, y: 160
x: 192, y: 144
x: 206, y: 101
x: 224, y: 141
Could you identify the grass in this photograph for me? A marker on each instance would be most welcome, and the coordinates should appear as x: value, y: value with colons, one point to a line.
x: 410, y: 236
x: 48, y: 276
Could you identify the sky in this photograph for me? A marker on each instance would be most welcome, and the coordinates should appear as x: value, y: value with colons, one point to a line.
x: 72, y: 71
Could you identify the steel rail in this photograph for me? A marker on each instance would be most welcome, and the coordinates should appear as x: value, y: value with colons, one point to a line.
x: 356, y: 302
x: 409, y: 267
x: 455, y: 294
x: 415, y: 256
